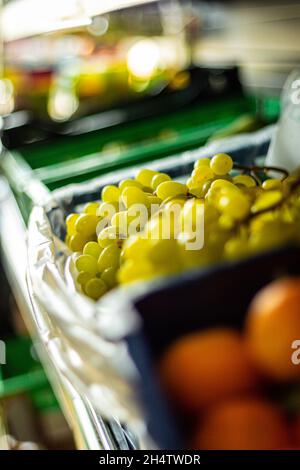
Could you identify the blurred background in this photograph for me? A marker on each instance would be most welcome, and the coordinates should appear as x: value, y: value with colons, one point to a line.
x: 88, y: 86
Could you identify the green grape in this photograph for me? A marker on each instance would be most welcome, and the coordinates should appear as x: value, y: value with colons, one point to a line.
x: 171, y: 189
x: 129, y: 183
x: 202, y: 162
x: 91, y: 208
x: 110, y: 194
x: 87, y: 263
x: 267, y: 200
x: 77, y: 242
x: 221, y: 164
x: 92, y: 249
x: 131, y: 271
x: 145, y: 177
x: 86, y: 224
x: 108, y: 236
x: 109, y: 258
x: 158, y: 179
x: 95, y: 288
x: 223, y: 184
x: 271, y: 184
x: 131, y: 196
x: 70, y: 222
x: 109, y: 276
x: 234, y: 205
x: 245, y: 180
x: 83, y: 277
x: 202, y: 173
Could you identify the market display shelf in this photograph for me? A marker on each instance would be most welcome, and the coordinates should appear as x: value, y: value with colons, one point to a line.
x: 89, y: 430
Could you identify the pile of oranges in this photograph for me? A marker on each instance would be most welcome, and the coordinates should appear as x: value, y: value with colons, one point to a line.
x: 220, y: 377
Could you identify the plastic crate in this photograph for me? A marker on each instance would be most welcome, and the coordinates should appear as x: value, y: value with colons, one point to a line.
x: 160, y: 307
x: 23, y: 374
x: 73, y: 159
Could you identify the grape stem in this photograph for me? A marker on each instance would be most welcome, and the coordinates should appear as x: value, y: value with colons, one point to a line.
x: 258, y: 169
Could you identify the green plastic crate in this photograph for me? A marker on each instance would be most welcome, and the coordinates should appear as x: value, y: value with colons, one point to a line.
x: 73, y: 159
x: 23, y: 374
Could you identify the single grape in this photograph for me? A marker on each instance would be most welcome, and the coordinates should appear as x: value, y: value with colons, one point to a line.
x: 171, y: 189
x: 95, y: 288
x: 245, y: 180
x: 83, y: 277
x: 132, y: 195
x: 202, y: 162
x: 271, y: 184
x: 109, y: 258
x: 91, y: 208
x: 93, y: 249
x: 110, y: 194
x: 77, y: 242
x: 109, y: 276
x: 86, y: 224
x: 129, y: 183
x: 87, y: 263
x: 202, y: 173
x: 70, y: 222
x: 267, y: 200
x: 158, y: 179
x: 221, y: 164
x: 145, y: 177
x: 234, y: 205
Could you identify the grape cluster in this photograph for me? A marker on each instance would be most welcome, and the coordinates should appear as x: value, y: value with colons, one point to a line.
x: 241, y: 216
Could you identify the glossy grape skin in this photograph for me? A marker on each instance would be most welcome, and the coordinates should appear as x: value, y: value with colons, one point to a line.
x: 95, y: 288
x: 70, y: 223
x: 158, y: 179
x: 93, y: 249
x: 221, y: 164
x: 129, y: 183
x: 77, y: 242
x: 110, y: 193
x: 133, y: 195
x: 109, y: 258
x: 87, y: 263
x: 91, y: 208
x: 86, y: 224
x: 145, y: 177
x: 171, y: 189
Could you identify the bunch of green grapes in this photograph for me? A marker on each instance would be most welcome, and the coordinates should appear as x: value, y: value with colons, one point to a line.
x: 241, y: 216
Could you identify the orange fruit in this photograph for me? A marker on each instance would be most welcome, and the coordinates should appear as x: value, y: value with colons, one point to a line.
x: 205, y: 367
x: 272, y: 326
x: 243, y: 424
